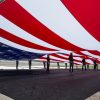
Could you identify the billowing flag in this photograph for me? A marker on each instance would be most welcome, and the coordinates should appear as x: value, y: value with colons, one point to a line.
x: 51, y: 27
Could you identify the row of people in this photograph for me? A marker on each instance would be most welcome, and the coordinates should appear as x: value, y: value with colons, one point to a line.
x: 83, y: 63
x: 71, y: 62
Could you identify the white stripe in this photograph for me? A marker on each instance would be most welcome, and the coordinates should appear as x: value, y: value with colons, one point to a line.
x: 17, y: 31
x: 78, y: 58
x: 77, y: 62
x: 45, y: 60
x: 89, y: 61
x: 40, y: 59
x: 12, y: 44
x: 62, y: 55
x: 75, y: 54
x: 54, y: 15
x: 66, y: 61
x: 90, y: 54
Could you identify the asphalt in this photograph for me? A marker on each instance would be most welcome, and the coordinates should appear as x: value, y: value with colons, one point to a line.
x: 53, y: 85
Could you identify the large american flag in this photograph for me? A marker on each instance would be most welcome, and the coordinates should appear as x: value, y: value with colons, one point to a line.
x: 30, y: 29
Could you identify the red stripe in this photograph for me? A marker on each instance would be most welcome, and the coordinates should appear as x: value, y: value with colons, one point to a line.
x: 22, y: 42
x: 62, y: 60
x: 90, y: 51
x: 74, y: 55
x: 95, y: 59
x: 58, y: 56
x: 87, y: 12
x: 65, y: 58
x: 19, y: 16
x: 95, y: 53
x: 80, y: 53
x: 50, y: 59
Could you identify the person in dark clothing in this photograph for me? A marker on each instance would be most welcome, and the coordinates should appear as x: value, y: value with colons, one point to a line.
x: 83, y: 63
x: 87, y: 66
x: 95, y: 64
x: 17, y: 63
x: 48, y: 62
x: 30, y: 64
x: 71, y: 62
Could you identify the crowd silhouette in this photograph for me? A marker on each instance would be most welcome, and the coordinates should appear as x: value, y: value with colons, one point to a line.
x: 85, y: 65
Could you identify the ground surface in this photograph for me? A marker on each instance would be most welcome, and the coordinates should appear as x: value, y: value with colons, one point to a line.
x: 56, y: 85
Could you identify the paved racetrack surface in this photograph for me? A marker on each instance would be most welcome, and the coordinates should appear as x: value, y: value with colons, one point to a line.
x: 53, y: 85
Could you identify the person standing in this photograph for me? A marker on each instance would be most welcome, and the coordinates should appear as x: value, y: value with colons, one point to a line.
x: 95, y: 64
x: 17, y: 63
x: 87, y: 66
x: 30, y: 64
x: 83, y: 63
x: 71, y: 62
x: 48, y: 62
